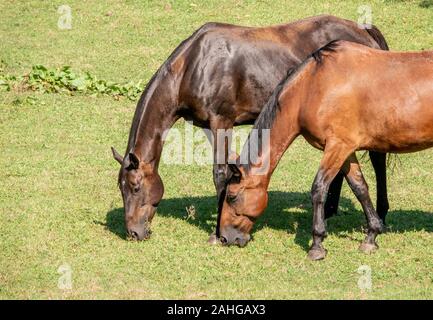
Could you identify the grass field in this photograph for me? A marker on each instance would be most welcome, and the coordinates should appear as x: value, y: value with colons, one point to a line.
x: 59, y: 202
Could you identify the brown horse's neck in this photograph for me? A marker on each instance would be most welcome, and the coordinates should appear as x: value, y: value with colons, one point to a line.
x: 281, y: 136
x: 156, y: 112
x: 282, y: 124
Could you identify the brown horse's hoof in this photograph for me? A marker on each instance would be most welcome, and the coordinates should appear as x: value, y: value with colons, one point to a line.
x: 368, y: 247
x: 213, y: 240
x: 317, y: 254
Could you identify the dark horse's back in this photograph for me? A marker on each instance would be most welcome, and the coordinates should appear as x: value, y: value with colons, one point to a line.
x: 231, y: 71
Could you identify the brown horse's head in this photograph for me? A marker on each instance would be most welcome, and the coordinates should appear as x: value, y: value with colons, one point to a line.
x: 141, y: 191
x: 244, y: 200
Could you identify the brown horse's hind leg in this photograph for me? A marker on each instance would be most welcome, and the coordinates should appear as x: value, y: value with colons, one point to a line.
x: 360, y: 188
x: 378, y: 160
x: 334, y: 157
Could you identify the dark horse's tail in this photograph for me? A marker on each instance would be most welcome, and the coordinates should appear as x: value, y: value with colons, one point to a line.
x: 375, y: 33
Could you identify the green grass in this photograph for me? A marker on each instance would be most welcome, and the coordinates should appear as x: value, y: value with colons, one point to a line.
x: 59, y: 202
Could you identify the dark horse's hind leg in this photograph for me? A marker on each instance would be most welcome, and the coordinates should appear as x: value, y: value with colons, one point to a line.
x: 331, y: 204
x: 379, y: 164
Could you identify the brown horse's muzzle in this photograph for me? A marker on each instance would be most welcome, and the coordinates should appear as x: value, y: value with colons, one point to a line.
x: 232, y: 236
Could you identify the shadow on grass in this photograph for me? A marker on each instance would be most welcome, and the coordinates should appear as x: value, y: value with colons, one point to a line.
x: 426, y: 4
x: 280, y: 215
x: 422, y: 4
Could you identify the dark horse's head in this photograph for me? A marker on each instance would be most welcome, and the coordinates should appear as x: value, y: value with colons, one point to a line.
x: 245, y: 198
x: 140, y: 194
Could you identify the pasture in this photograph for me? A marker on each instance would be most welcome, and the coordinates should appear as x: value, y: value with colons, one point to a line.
x: 60, y: 206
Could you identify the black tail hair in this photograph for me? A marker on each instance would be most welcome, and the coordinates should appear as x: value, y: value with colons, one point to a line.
x: 375, y: 33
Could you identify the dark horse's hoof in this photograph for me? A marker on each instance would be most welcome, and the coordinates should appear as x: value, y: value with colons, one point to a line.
x: 213, y: 239
x: 368, y: 247
x: 317, y: 254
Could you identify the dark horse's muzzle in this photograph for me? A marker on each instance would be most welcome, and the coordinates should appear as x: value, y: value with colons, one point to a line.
x: 138, y: 223
x: 139, y: 232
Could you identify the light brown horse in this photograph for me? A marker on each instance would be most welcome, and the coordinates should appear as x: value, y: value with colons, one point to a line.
x: 345, y: 97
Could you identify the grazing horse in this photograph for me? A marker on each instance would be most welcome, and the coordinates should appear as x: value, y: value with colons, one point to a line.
x: 220, y: 77
x: 345, y: 97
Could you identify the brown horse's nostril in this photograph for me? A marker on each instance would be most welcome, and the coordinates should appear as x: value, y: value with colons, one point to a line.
x: 241, y: 242
x: 223, y: 240
x: 133, y: 234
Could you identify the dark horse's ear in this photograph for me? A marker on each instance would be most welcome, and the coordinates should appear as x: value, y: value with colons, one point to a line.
x: 134, y: 163
x: 116, y: 155
x: 236, y: 172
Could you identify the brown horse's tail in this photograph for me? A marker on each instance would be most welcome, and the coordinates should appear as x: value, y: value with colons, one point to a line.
x: 375, y: 33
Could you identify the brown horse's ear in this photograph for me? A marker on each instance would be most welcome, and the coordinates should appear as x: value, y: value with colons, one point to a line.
x: 236, y: 172
x: 116, y: 155
x: 134, y: 162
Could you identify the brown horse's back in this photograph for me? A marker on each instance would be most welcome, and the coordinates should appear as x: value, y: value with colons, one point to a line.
x: 380, y: 100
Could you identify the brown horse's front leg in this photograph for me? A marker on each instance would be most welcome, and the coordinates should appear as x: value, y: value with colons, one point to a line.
x: 334, y: 157
x: 360, y: 188
x: 318, y: 192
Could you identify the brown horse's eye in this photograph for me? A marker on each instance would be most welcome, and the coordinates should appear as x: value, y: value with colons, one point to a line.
x: 231, y: 198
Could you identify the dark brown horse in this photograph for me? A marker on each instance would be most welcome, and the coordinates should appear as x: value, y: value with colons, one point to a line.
x: 220, y: 77
x: 346, y: 97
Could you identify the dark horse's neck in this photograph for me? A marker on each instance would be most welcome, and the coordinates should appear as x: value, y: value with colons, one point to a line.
x: 155, y: 113
x: 157, y: 108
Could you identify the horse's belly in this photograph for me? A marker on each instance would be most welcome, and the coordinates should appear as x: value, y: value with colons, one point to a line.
x: 397, y: 144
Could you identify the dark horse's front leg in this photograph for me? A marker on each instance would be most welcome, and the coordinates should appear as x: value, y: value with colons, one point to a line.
x: 333, y: 198
x: 379, y: 164
x: 378, y: 160
x: 221, y: 141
